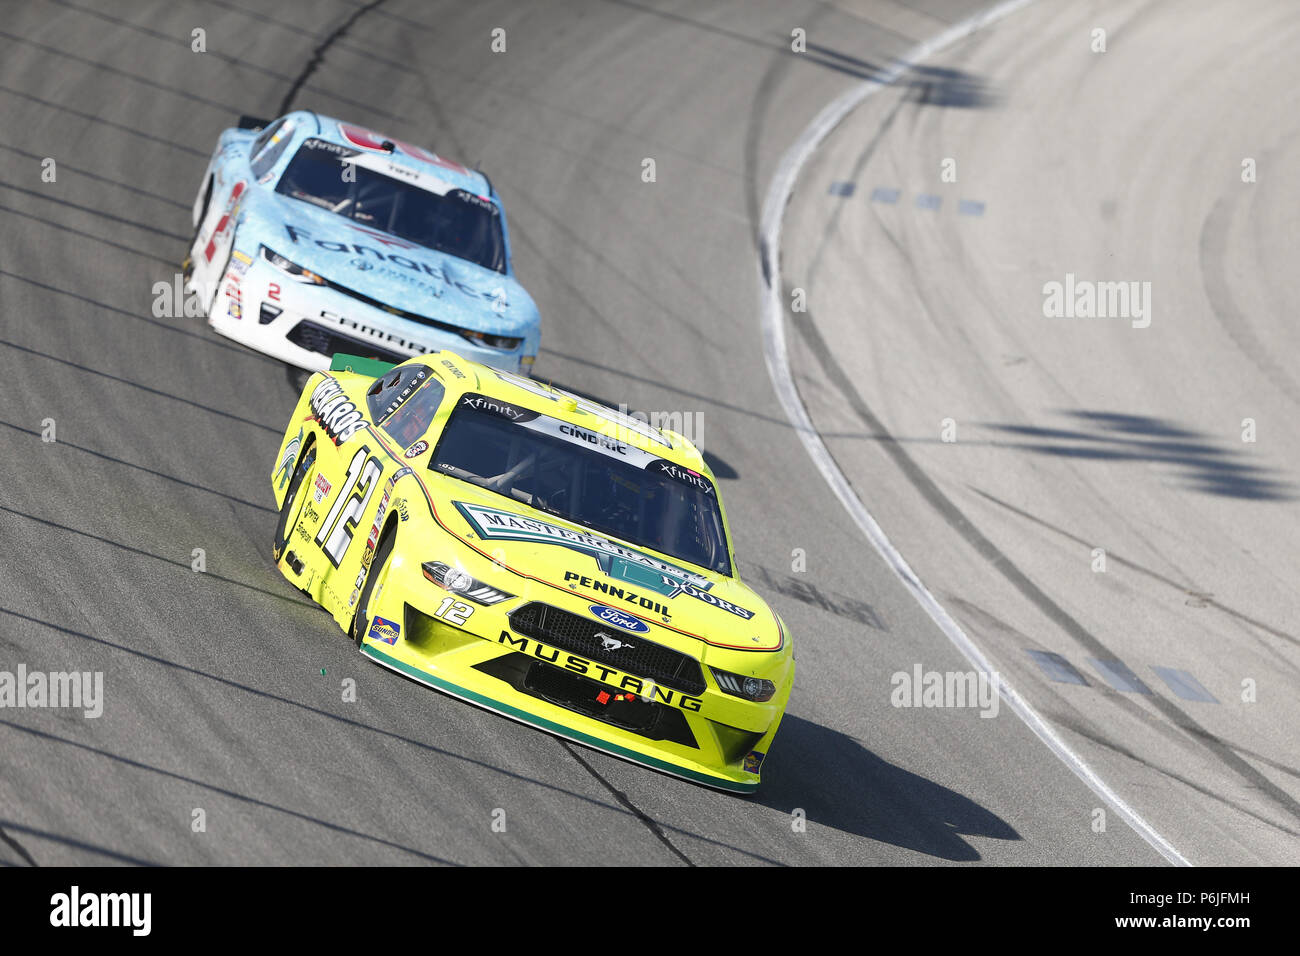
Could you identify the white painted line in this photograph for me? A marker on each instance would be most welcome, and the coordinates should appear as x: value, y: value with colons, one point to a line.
x: 772, y: 316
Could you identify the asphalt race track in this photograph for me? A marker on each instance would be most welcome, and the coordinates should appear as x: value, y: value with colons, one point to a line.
x: 222, y: 688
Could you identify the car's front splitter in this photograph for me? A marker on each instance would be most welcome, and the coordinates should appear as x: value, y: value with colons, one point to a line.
x: 569, y: 733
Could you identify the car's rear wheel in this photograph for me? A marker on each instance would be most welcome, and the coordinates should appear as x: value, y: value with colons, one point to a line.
x: 294, y: 499
x: 378, y: 565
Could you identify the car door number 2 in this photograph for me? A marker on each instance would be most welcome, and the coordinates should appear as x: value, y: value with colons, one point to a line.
x: 337, y: 530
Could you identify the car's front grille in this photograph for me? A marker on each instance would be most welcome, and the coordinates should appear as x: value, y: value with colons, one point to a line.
x: 585, y: 696
x: 317, y: 338
x: 596, y: 641
x: 582, y: 695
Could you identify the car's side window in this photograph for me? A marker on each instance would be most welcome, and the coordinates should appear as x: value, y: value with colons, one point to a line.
x: 270, y: 146
x: 413, y: 419
x: 404, y: 401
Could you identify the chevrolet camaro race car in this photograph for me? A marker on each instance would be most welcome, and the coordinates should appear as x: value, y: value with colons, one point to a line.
x: 535, y: 553
x: 314, y: 236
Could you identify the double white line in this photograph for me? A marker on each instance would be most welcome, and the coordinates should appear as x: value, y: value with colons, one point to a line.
x: 772, y: 317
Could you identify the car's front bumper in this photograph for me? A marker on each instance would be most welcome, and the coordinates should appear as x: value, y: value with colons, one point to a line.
x: 696, y: 738
x: 305, y: 325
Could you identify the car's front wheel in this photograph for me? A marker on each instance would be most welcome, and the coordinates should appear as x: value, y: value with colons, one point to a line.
x: 294, y: 499
x: 378, y: 565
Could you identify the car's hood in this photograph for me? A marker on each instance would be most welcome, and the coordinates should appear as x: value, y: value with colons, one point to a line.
x: 391, y: 270
x: 644, y: 585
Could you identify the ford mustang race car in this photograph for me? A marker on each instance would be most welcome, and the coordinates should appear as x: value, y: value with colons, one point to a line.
x: 535, y: 553
x: 314, y: 236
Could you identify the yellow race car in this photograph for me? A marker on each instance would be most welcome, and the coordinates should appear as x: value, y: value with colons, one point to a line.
x: 537, y: 554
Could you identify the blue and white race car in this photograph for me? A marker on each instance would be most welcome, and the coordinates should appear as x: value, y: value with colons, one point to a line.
x: 315, y: 236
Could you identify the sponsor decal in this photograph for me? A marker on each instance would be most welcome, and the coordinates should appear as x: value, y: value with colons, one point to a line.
x: 378, y: 334
x: 626, y: 422
x: 495, y: 406
x: 372, y: 539
x: 285, y: 468
x: 593, y: 438
x: 310, y: 513
x: 451, y: 367
x: 301, y: 531
x: 647, y: 689
x: 382, y: 629
x: 402, y: 510
x: 334, y: 149
x: 753, y: 760
x: 234, y: 299
x: 612, y: 615
x: 336, y: 413
x: 418, y: 449
x: 482, y: 202
x: 363, y: 256
x: 684, y: 475
x: 322, y: 489
x: 623, y: 594
x: 619, y: 562
x: 223, y: 224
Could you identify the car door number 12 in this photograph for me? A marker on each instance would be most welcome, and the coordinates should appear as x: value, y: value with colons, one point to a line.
x: 337, y: 530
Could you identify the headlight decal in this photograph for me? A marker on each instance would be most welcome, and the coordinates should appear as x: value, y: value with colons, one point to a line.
x: 457, y: 581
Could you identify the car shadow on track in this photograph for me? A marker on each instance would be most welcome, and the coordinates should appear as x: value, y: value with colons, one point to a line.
x: 840, y: 784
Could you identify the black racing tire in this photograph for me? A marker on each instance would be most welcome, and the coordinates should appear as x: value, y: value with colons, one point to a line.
x: 294, y: 499
x: 187, y: 264
x: 361, y: 620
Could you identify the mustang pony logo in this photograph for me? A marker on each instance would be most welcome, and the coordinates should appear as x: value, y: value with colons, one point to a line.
x: 612, y: 643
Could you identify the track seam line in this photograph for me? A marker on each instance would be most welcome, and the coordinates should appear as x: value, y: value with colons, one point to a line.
x: 319, y: 53
x: 17, y: 847
x: 776, y: 356
x: 621, y: 797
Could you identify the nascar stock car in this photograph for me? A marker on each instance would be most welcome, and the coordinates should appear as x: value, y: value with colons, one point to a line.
x: 535, y: 553
x: 315, y: 236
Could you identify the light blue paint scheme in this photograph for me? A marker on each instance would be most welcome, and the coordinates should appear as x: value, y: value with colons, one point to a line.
x: 390, y: 270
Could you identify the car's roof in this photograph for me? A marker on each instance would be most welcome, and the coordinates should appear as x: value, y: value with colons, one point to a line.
x: 408, y: 155
x: 585, y: 413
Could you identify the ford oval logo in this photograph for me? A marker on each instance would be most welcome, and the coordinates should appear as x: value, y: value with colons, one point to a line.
x: 616, y: 617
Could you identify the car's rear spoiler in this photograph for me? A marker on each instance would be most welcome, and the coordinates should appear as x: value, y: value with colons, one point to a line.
x: 371, y: 368
x: 253, y: 122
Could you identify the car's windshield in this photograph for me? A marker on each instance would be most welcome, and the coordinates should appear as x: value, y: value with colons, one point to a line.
x: 449, y: 220
x: 584, y: 477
